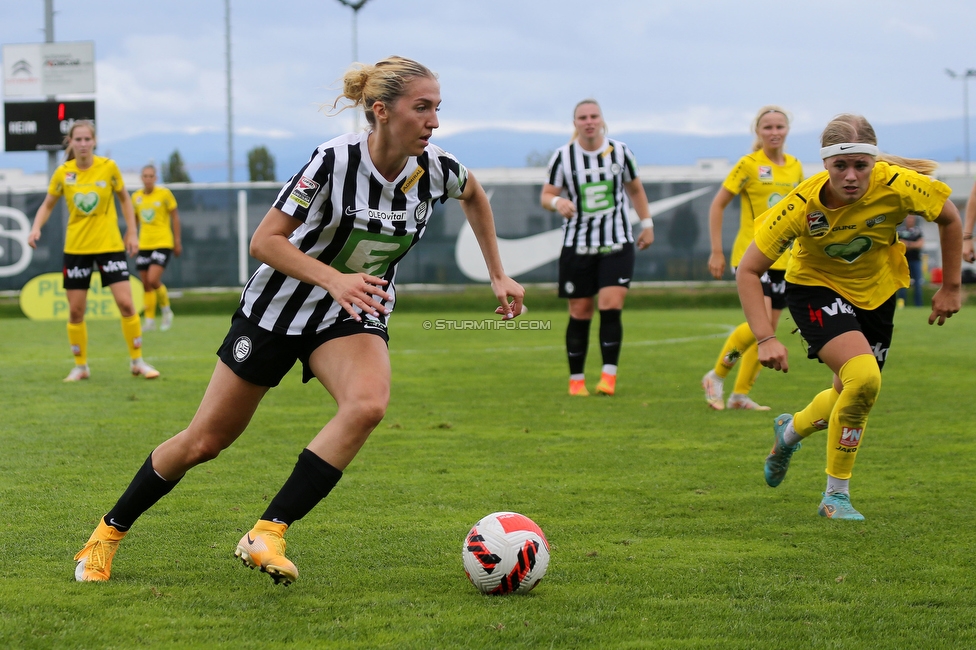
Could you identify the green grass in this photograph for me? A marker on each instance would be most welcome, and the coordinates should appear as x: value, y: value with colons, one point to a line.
x: 663, y: 533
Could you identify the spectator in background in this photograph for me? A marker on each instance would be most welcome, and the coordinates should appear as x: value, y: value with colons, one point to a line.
x: 910, y: 232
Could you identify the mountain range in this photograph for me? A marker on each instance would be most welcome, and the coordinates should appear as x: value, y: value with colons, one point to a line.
x: 204, y: 154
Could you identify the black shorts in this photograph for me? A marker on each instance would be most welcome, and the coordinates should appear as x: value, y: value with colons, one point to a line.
x: 77, y: 269
x: 823, y: 314
x: 263, y: 358
x: 774, y: 287
x: 157, y: 256
x: 582, y: 276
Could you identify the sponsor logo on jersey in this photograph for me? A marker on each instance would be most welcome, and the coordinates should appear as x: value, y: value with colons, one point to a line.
x: 101, y: 183
x: 817, y: 224
x: 412, y: 180
x: 242, y: 348
x: 86, y: 202
x: 773, y: 199
x: 304, y: 191
x: 615, y: 169
x: 70, y: 178
x: 871, y: 223
x: 387, y: 215
x: 850, y: 436
x: 850, y: 251
x: 848, y: 227
x: 147, y: 215
x: 765, y: 173
x: 420, y: 214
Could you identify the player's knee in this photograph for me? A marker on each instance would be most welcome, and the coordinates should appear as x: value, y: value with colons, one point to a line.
x: 861, y: 378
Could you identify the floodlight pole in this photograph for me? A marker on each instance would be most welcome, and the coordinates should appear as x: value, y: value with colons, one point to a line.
x: 355, y: 5
x: 52, y: 156
x: 964, y: 77
x: 230, y: 105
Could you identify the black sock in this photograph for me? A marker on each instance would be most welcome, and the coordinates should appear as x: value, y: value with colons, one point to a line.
x: 577, y: 340
x: 310, y: 482
x: 146, y: 488
x: 611, y: 335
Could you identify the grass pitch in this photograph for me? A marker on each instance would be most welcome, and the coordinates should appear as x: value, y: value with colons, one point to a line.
x: 663, y: 532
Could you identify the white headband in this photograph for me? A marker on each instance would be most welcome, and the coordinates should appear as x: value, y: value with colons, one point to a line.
x: 848, y: 147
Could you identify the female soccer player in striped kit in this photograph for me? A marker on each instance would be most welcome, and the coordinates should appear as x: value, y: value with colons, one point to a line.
x: 599, y: 176
x: 846, y: 265
x: 88, y: 183
x: 329, y: 247
x: 761, y: 179
x: 159, y: 237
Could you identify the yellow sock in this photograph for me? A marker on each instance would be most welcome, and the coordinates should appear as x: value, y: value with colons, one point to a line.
x: 78, y: 340
x: 816, y: 416
x: 149, y: 303
x: 163, y: 296
x: 132, y: 331
x: 748, y: 371
x: 740, y: 339
x: 862, y: 383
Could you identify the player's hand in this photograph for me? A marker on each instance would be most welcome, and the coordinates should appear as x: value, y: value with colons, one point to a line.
x: 506, y: 288
x: 716, y: 265
x: 352, y: 290
x: 645, y: 239
x: 945, y: 303
x: 565, y: 208
x: 967, y: 251
x: 32, y: 237
x: 177, y: 249
x: 773, y: 354
x: 131, y: 244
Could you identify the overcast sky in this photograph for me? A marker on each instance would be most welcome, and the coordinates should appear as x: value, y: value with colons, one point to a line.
x: 691, y: 66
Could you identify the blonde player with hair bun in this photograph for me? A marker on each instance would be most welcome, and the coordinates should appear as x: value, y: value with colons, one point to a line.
x: 760, y: 179
x: 90, y: 184
x: 329, y: 248
x: 846, y: 264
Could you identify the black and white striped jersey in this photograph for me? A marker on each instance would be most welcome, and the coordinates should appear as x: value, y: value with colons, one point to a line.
x: 354, y: 220
x: 594, y: 181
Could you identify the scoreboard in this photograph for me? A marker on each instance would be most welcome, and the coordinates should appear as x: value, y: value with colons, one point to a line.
x: 41, y: 126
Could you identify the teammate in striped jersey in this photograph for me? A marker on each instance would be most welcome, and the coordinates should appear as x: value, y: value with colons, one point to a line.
x: 761, y: 179
x: 846, y: 264
x: 329, y: 247
x: 599, y: 176
x: 159, y: 237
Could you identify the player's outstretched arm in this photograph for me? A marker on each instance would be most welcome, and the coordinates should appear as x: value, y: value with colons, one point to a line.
x: 948, y: 299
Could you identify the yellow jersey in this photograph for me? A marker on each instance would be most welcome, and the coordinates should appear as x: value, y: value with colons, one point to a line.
x: 154, y: 211
x: 93, y: 223
x: 761, y: 184
x: 854, y: 249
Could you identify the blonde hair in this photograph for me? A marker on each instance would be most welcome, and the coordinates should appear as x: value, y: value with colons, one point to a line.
x: 856, y: 129
x: 385, y: 81
x: 580, y: 103
x: 769, y: 108
x: 69, y: 153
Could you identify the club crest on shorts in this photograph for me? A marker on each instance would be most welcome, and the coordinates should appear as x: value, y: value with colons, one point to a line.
x: 242, y: 348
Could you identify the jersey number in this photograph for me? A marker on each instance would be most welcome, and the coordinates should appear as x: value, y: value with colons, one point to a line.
x: 371, y: 253
x: 596, y: 197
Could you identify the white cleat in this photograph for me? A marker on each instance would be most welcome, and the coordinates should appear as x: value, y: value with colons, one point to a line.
x: 140, y: 367
x: 744, y: 402
x: 148, y: 324
x: 712, y: 385
x: 78, y: 373
x: 167, y: 320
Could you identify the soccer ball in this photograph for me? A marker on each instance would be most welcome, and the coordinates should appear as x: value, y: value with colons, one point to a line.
x: 505, y: 553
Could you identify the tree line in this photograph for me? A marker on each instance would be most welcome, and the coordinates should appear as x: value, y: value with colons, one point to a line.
x: 260, y: 166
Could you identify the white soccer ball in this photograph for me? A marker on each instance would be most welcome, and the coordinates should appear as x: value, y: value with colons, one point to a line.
x: 505, y: 553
